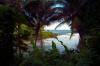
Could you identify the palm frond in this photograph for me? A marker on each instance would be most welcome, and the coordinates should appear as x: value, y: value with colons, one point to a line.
x: 60, y: 24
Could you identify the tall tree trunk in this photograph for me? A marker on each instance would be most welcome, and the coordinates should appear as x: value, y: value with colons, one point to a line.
x: 18, y: 36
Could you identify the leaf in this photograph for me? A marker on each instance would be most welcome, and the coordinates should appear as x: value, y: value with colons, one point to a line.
x: 59, y: 25
x: 20, y: 18
x: 33, y: 44
x: 36, y: 51
x: 66, y: 49
x: 53, y: 45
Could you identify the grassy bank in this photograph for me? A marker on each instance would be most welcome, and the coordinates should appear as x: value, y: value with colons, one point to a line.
x: 45, y: 35
x: 26, y: 32
x: 49, y: 34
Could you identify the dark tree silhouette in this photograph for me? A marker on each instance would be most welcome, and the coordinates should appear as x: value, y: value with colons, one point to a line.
x: 7, y: 25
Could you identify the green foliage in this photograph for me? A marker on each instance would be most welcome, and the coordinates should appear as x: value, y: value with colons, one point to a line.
x: 8, y: 21
x: 6, y: 34
x: 66, y: 49
x: 20, y: 18
x: 48, y: 34
x: 54, y: 46
x: 85, y: 58
x: 26, y: 31
x: 89, y: 14
x: 17, y: 16
x: 34, y: 45
x: 53, y: 58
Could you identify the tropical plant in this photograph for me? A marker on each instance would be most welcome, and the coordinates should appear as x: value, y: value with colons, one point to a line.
x: 8, y: 20
x: 84, y: 15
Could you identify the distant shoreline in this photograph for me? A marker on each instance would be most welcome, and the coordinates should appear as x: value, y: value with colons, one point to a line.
x: 58, y: 31
x: 55, y: 33
x: 52, y: 34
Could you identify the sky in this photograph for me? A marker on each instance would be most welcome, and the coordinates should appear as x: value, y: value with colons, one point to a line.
x: 58, y: 5
x: 52, y: 26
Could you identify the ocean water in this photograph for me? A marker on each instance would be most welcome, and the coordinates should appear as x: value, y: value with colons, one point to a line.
x: 59, y: 31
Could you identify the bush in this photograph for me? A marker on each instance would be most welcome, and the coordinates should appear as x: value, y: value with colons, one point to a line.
x: 54, y: 58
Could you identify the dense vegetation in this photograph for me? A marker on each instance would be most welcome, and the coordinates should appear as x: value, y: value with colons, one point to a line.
x: 25, y: 20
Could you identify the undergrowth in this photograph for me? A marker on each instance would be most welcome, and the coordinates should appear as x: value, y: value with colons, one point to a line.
x: 40, y: 57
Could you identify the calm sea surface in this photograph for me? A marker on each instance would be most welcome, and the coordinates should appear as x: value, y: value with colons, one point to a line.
x: 59, y: 31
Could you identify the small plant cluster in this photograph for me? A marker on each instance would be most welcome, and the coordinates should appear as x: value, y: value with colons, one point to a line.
x: 40, y: 57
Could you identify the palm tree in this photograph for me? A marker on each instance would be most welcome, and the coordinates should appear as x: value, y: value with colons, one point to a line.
x: 41, y: 13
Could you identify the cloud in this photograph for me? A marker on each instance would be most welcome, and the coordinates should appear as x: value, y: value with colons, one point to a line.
x: 52, y: 26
